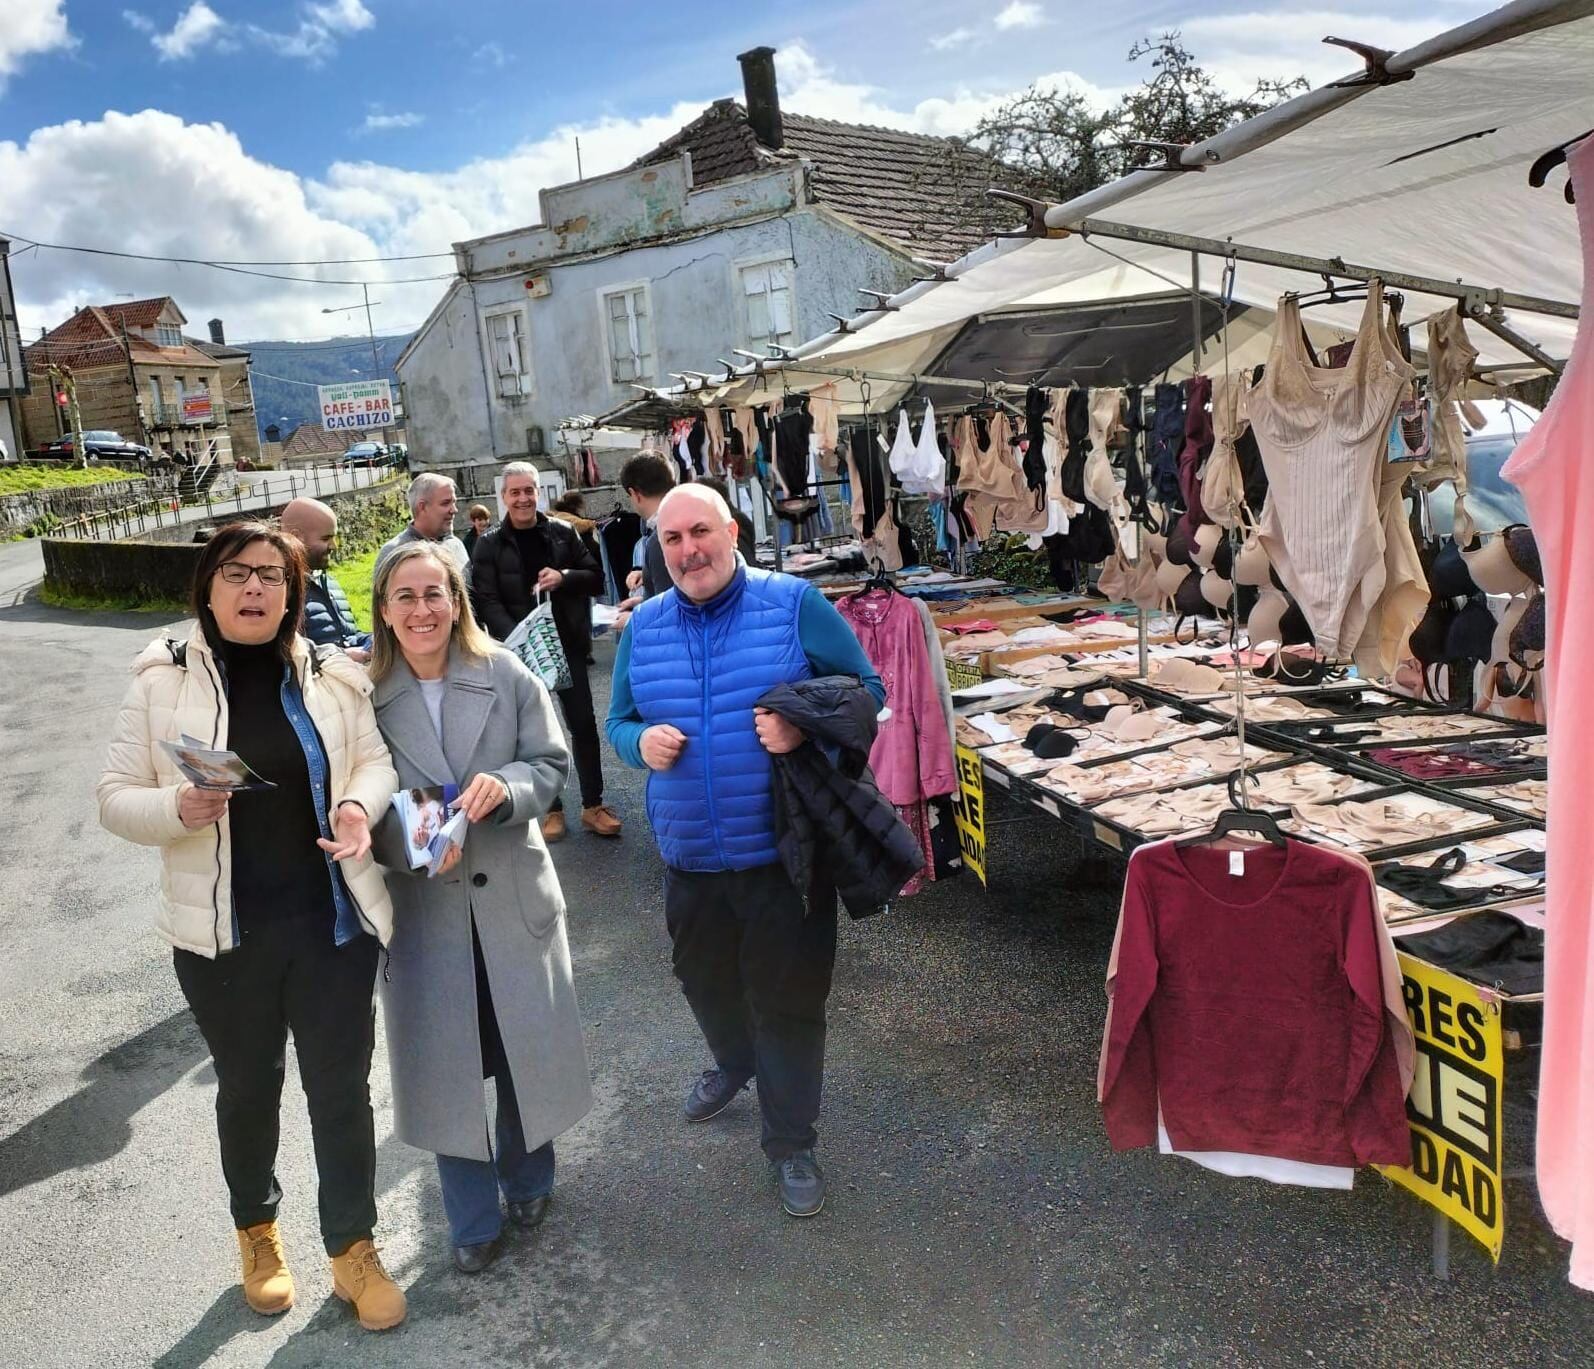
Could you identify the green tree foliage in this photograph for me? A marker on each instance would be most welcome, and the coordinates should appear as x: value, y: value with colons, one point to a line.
x: 1060, y: 146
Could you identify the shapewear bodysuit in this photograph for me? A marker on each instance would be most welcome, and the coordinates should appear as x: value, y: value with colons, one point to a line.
x: 1323, y: 435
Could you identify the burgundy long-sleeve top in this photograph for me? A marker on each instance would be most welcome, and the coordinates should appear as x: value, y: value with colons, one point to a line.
x: 1252, y: 1006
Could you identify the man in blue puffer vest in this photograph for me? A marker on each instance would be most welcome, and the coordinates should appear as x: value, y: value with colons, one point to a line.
x: 753, y: 953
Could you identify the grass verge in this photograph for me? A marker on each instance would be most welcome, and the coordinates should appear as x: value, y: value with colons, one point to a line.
x: 355, y: 577
x: 32, y: 479
x: 108, y: 603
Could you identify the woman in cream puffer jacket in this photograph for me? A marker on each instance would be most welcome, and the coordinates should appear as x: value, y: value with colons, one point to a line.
x: 269, y: 895
x: 176, y: 690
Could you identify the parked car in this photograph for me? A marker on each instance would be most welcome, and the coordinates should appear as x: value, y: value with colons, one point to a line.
x: 98, y: 442
x: 365, y: 454
x: 1494, y: 502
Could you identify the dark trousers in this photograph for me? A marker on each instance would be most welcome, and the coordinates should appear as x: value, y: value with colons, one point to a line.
x: 755, y: 965
x: 288, y: 976
x: 576, y: 704
x: 471, y: 1187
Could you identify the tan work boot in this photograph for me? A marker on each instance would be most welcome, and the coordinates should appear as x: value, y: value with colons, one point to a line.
x: 358, y: 1278
x: 268, y: 1286
x: 601, y: 819
x: 553, y: 826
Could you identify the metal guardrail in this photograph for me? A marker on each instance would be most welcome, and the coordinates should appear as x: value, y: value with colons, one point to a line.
x: 111, y: 518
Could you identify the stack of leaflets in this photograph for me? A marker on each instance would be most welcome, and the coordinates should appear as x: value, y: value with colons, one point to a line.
x: 206, y: 768
x: 429, y: 830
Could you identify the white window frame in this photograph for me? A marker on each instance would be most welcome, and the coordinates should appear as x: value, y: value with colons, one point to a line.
x: 643, y: 356
x: 510, y: 356
x: 767, y: 265
x: 168, y: 335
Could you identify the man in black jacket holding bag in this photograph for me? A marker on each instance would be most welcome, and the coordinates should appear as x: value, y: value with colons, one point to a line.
x: 526, y: 556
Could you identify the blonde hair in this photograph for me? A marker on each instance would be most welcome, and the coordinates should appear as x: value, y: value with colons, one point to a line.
x: 466, y: 636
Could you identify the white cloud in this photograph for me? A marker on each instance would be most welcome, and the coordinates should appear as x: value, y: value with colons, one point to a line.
x: 379, y: 123
x: 320, y: 27
x: 31, y: 27
x: 1021, y: 14
x: 142, y: 22
x: 1241, y: 49
x: 491, y: 54
x: 110, y: 183
x: 127, y: 169
x: 959, y: 37
x: 197, y: 27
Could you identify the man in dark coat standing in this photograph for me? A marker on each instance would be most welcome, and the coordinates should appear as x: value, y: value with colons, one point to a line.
x: 753, y: 952
x: 524, y: 556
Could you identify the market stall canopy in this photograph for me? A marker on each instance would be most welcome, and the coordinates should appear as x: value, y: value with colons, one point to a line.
x: 1420, y: 169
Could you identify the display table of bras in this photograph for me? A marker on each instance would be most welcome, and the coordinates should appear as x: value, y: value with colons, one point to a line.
x: 1446, y: 806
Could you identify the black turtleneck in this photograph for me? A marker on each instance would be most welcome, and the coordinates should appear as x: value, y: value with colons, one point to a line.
x: 277, y: 869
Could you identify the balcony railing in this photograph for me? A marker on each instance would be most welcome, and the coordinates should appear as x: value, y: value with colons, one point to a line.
x: 169, y: 415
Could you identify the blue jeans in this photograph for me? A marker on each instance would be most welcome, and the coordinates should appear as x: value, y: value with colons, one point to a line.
x: 470, y: 1187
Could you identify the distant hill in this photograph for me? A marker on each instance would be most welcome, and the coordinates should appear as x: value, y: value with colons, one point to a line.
x: 278, y: 365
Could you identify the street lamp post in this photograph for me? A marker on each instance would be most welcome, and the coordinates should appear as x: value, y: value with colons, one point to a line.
x: 370, y: 330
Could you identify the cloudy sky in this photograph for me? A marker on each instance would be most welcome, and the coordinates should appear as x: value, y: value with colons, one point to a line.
x: 324, y: 130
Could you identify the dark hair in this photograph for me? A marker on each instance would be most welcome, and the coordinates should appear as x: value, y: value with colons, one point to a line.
x: 648, y: 474
x: 719, y: 487
x: 227, y: 541
x: 480, y: 511
x: 570, y: 503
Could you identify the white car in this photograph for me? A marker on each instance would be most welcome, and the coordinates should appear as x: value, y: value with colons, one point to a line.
x: 1495, y: 503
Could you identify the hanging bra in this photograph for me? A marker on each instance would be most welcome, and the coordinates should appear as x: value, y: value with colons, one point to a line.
x: 918, y: 465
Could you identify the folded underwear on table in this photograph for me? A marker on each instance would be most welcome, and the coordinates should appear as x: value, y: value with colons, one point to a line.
x: 1430, y: 765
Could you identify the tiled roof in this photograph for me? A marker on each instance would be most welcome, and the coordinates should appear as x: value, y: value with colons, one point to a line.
x: 309, y: 438
x: 896, y: 184
x: 141, y: 313
x: 219, y: 351
x: 93, y: 337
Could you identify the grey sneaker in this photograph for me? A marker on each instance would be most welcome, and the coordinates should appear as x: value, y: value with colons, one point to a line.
x: 802, y: 1184
x: 713, y: 1093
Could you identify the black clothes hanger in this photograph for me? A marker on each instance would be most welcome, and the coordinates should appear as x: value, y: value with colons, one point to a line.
x: 879, y: 578
x: 1239, y: 818
x: 1539, y: 172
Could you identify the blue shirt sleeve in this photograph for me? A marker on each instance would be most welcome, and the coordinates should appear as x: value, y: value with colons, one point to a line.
x: 624, y: 724
x: 831, y: 646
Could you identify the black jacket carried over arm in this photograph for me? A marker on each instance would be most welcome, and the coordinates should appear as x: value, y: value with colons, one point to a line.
x: 504, y: 591
x: 830, y: 813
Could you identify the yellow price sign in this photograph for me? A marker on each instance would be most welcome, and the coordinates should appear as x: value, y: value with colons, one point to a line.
x: 968, y: 809
x: 1455, y: 1104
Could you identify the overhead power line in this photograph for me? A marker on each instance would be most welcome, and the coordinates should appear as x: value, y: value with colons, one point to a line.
x: 225, y: 261
x: 238, y: 270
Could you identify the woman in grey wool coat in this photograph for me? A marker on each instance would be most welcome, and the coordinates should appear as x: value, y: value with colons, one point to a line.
x: 478, y: 981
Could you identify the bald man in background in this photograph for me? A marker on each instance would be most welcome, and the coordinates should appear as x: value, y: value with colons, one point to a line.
x: 328, y: 619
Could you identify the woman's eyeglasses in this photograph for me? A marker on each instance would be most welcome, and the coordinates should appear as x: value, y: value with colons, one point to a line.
x: 434, y: 599
x: 238, y: 573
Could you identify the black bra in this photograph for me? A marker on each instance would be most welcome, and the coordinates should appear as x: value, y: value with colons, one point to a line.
x: 1425, y: 885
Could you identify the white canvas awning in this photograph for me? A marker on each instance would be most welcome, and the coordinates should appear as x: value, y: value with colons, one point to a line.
x: 1425, y: 176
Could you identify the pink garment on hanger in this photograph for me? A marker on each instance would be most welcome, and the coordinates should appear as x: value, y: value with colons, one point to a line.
x: 912, y: 753
x: 1552, y: 469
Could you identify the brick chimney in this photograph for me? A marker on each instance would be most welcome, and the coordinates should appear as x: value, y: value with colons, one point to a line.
x: 216, y: 334
x: 763, y: 98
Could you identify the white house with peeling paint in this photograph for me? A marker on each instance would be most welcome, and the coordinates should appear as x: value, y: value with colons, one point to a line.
x: 743, y: 229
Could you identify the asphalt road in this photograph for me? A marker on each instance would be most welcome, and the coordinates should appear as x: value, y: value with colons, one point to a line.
x: 976, y: 1214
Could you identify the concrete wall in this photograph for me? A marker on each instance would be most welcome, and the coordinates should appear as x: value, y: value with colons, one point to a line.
x: 140, y: 572
x: 698, y: 315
